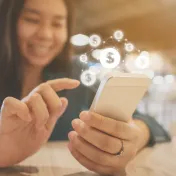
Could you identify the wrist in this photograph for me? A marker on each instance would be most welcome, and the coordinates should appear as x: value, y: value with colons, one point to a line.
x: 8, y: 157
x: 144, y: 134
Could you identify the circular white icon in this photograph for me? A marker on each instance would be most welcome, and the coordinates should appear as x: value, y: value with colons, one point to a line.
x: 110, y: 58
x: 118, y: 35
x: 88, y: 78
x: 142, y: 62
x: 95, y: 40
x: 129, y: 47
x: 84, y: 58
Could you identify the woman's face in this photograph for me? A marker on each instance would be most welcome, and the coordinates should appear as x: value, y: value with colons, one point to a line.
x: 42, y: 31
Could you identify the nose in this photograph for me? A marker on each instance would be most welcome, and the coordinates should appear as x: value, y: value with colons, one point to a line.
x: 45, y: 32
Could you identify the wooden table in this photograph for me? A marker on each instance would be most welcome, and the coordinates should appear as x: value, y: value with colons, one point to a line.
x: 54, y: 159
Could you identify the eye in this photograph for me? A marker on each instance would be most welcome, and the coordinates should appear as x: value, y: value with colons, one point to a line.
x: 57, y: 25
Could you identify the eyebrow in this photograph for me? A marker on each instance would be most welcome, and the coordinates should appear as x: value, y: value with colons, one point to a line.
x: 34, y: 11
x: 30, y: 10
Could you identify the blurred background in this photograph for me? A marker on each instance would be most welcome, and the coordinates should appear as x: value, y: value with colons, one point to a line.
x: 149, y: 25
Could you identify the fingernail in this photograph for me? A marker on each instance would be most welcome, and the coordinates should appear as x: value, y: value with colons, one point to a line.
x: 71, y: 136
x: 85, y: 116
x: 39, y: 127
x: 76, y: 82
x: 77, y: 123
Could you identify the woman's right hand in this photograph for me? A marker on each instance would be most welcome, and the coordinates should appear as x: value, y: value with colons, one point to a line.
x: 27, y: 124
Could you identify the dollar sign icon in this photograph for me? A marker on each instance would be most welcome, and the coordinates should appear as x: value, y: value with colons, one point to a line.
x: 88, y: 78
x: 110, y: 58
x: 95, y: 40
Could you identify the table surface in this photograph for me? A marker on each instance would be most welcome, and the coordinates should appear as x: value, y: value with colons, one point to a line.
x: 54, y: 159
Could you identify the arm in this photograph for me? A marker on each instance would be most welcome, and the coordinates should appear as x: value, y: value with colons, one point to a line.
x: 152, y: 130
x: 145, y: 136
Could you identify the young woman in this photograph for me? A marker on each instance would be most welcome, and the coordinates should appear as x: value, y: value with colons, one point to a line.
x: 34, y: 48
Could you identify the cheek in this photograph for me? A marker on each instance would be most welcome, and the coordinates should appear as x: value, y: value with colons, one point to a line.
x: 24, y: 33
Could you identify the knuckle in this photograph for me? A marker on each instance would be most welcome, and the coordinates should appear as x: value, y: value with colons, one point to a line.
x: 122, y: 126
x: 111, y: 145
x: 118, y: 128
x: 101, y: 122
x: 24, y: 107
x: 105, y: 144
x: 7, y: 101
x: 36, y: 96
x: 115, y: 146
x: 33, y: 98
x: 99, y: 158
x: 85, y: 129
x: 58, y: 105
x: 56, y: 108
x: 44, y: 86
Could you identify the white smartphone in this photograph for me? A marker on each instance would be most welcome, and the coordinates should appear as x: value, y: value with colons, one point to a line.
x: 119, y: 94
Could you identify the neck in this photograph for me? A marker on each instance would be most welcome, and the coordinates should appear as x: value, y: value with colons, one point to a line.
x: 32, y: 77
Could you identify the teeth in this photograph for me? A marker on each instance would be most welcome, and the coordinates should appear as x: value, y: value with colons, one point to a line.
x: 40, y: 50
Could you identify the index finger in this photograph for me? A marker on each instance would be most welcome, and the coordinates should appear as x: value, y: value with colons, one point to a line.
x: 64, y: 83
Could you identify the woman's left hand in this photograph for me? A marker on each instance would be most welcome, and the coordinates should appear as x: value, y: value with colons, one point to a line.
x: 97, y: 140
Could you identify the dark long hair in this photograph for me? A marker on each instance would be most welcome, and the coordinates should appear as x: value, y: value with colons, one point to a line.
x: 10, y: 73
